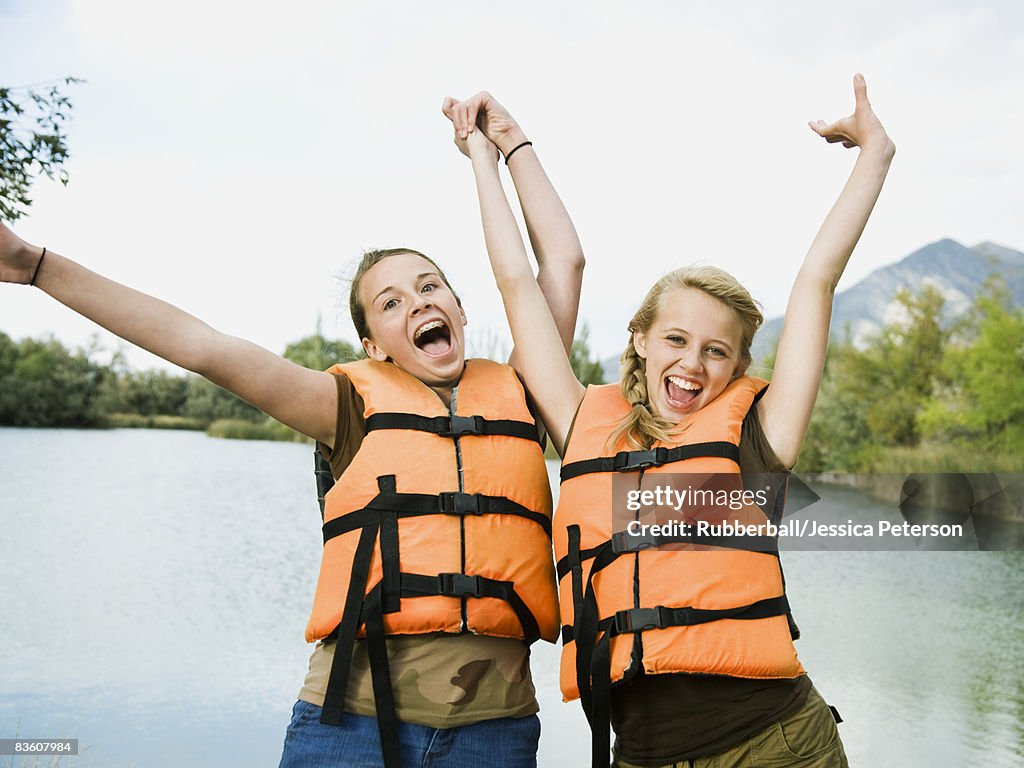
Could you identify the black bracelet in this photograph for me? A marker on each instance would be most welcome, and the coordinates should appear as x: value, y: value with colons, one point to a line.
x: 516, y: 149
x: 36, y: 273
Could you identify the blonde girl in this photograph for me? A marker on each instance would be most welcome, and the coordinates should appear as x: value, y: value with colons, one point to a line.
x: 707, y: 675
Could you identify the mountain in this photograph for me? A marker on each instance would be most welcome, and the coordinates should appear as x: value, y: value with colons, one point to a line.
x: 956, y: 270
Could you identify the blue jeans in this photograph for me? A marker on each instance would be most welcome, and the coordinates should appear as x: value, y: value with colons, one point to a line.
x: 507, y: 742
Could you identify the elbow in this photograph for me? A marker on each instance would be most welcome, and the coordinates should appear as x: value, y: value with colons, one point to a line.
x: 201, y: 355
x: 576, y: 261
x: 510, y: 283
x: 820, y: 281
x: 565, y: 269
x: 569, y: 263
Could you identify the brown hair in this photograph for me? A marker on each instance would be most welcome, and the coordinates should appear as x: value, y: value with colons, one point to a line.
x: 370, y: 258
x: 642, y: 427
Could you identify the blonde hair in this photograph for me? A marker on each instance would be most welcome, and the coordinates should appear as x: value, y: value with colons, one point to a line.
x: 642, y: 427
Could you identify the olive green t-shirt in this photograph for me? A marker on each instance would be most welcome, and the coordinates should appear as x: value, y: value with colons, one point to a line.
x: 440, y: 681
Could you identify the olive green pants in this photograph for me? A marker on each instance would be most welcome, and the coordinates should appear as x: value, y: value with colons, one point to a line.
x: 806, y: 739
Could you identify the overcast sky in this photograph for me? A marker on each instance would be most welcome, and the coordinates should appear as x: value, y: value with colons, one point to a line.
x: 235, y: 157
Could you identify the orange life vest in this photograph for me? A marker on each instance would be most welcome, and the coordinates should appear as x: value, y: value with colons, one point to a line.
x: 441, y: 523
x: 699, y: 609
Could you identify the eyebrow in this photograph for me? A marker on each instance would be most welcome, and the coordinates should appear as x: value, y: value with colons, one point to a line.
x: 718, y: 342
x: 391, y: 287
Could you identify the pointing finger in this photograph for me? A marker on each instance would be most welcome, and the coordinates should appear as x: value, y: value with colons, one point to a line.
x: 860, y: 91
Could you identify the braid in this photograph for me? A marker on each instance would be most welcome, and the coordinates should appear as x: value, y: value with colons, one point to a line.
x: 640, y: 428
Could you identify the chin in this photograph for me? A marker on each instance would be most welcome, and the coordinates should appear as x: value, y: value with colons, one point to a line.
x: 444, y: 373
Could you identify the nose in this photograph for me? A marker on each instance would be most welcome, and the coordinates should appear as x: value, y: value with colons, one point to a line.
x: 690, y: 360
x: 421, y: 302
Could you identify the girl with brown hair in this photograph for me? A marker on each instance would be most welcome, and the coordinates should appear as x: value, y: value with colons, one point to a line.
x: 423, y: 614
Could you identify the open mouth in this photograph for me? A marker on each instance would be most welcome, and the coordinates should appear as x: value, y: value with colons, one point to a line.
x: 681, y: 392
x: 434, y: 338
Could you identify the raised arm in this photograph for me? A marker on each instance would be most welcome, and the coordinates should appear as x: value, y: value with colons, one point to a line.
x: 786, y: 408
x: 542, y: 359
x: 552, y: 234
x: 303, y: 399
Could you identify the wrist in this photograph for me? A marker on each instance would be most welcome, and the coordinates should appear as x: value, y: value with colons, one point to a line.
x: 484, y: 159
x: 881, y: 149
x: 510, y: 139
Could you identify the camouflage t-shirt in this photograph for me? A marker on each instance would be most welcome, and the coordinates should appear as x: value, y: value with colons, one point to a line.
x: 440, y: 681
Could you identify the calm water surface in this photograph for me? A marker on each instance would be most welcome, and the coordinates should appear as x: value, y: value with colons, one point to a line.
x: 155, y: 587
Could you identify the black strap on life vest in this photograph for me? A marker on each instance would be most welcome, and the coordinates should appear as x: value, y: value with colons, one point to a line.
x: 778, y: 512
x: 622, y: 542
x: 463, y: 585
x: 378, y: 520
x: 324, y: 478
x: 417, y: 504
x: 453, y: 426
x: 632, y: 461
x: 345, y: 633
x: 592, y: 634
x: 378, y: 524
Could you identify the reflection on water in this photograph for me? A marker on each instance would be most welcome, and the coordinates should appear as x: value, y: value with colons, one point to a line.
x: 155, y: 588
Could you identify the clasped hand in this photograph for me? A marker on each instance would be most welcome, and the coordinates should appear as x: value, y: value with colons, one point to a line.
x: 498, y: 130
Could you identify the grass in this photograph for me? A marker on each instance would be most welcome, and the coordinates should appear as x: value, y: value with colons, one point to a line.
x: 232, y: 429
x: 160, y: 421
x: 943, y: 457
x: 237, y: 429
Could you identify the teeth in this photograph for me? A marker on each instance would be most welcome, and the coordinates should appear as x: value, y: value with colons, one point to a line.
x: 683, y: 383
x: 429, y: 327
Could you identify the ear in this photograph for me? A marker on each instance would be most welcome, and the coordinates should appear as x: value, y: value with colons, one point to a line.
x: 741, y: 369
x: 462, y: 314
x: 373, y: 351
x: 640, y: 343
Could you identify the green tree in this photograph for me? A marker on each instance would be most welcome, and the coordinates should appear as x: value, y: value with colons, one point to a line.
x: 319, y: 353
x: 42, y: 384
x: 838, y: 436
x: 151, y: 392
x: 32, y: 141
x: 587, y: 369
x: 983, y: 399
x: 892, y: 380
x: 208, y: 402
x: 873, y: 397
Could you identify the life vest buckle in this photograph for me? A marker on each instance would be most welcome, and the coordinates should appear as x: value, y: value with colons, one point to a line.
x: 465, y: 425
x: 639, y: 620
x: 623, y: 541
x: 455, y: 503
x: 630, y: 461
x: 458, y: 585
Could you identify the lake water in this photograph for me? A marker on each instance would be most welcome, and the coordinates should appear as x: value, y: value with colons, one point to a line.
x: 155, y: 586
